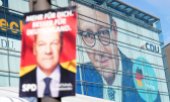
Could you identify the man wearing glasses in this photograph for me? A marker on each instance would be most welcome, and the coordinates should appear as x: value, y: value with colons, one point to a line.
x: 99, y: 39
x: 108, y: 72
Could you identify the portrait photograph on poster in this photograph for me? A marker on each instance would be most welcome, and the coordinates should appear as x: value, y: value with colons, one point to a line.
x: 109, y: 66
x: 48, y: 53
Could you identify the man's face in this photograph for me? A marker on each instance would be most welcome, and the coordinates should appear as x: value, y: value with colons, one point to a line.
x: 47, y: 48
x: 101, y: 39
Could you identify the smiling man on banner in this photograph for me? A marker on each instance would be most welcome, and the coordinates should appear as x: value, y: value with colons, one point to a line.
x: 46, y: 67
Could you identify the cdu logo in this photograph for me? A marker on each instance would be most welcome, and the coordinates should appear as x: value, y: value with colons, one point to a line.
x: 143, y: 79
x: 139, y: 77
x: 152, y: 47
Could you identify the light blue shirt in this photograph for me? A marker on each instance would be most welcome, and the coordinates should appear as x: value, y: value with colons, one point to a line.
x: 54, y: 85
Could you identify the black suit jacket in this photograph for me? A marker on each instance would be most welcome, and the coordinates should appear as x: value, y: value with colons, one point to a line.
x: 29, y: 80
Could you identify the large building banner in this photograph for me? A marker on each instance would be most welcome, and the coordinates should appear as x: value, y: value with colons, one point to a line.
x: 118, y: 60
x: 48, y: 57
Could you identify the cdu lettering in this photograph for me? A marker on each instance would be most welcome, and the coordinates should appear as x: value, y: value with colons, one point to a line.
x: 152, y: 47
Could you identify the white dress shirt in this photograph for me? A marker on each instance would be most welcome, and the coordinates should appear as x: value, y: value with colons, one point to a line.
x: 54, y: 84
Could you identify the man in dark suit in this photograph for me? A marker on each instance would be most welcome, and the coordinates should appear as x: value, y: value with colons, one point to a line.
x: 108, y: 73
x: 66, y: 77
x: 49, y: 78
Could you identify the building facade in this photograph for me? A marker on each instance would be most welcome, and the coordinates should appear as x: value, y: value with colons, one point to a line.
x: 166, y: 57
x: 119, y: 55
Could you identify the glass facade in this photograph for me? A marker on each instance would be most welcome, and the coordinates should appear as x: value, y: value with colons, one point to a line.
x: 118, y: 58
x: 10, y: 28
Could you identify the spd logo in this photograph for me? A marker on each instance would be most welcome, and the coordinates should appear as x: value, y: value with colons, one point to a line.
x: 29, y: 87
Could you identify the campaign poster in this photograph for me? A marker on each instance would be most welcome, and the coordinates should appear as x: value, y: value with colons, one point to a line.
x: 48, y: 54
x: 118, y: 60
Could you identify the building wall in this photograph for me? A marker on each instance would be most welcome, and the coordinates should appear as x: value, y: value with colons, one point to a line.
x: 134, y: 42
x: 167, y: 63
x: 10, y: 35
x: 167, y: 50
x: 140, y: 48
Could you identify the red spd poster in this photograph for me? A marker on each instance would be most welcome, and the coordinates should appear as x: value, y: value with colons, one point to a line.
x: 48, y: 57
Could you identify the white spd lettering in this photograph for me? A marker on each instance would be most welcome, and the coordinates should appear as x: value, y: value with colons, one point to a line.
x: 29, y: 87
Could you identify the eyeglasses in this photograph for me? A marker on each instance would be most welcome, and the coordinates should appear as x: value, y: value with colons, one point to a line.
x: 89, y: 37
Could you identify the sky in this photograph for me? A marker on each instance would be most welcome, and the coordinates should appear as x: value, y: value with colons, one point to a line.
x: 158, y: 8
